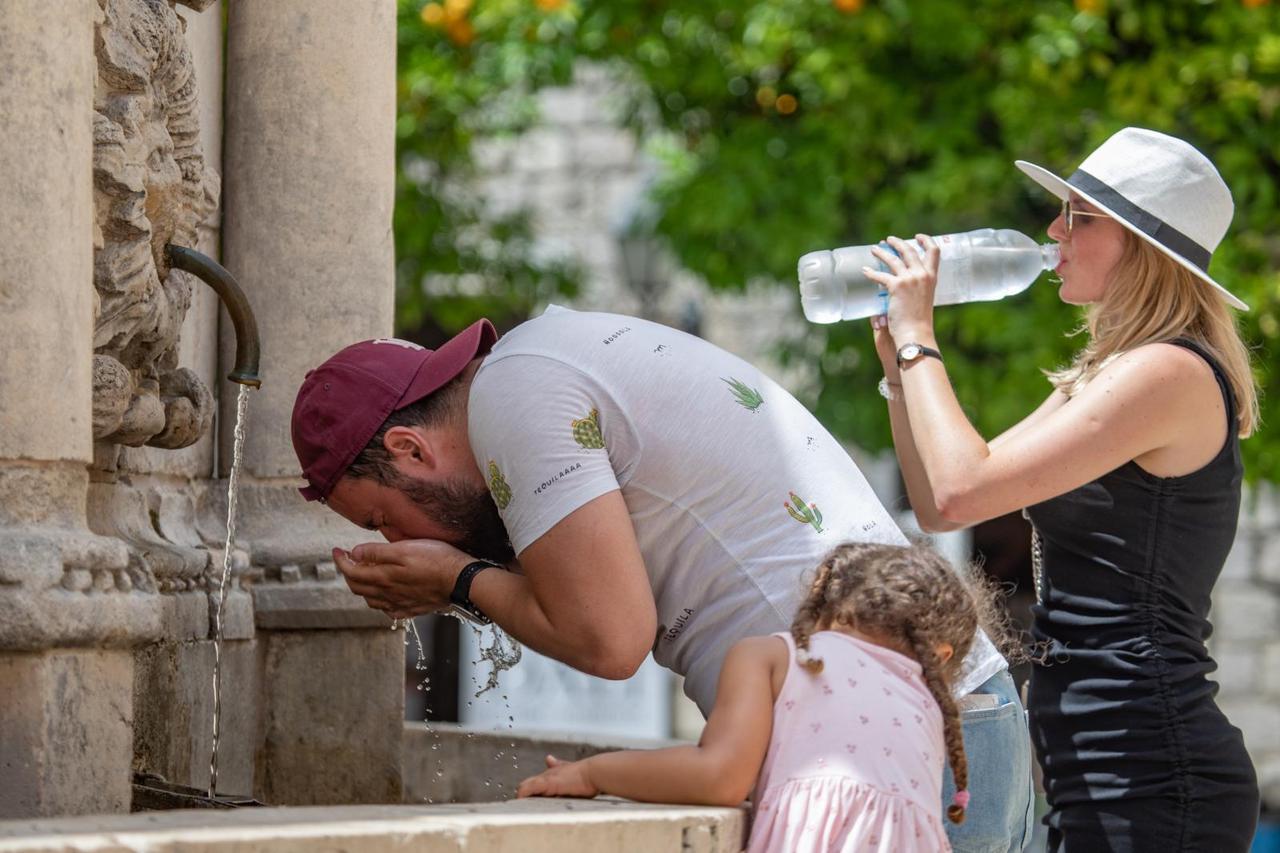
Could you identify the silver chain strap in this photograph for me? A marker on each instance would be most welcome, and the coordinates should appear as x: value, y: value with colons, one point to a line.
x: 1037, y: 560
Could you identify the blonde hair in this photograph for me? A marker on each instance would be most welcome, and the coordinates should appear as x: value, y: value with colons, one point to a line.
x: 911, y: 598
x: 1152, y: 298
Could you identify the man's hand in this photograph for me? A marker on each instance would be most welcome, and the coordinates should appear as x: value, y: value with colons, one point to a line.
x: 560, y: 779
x: 402, y: 579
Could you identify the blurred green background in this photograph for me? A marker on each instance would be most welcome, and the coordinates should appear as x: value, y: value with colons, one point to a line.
x: 784, y: 126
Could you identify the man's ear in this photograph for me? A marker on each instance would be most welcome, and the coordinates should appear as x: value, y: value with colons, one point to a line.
x: 409, y: 448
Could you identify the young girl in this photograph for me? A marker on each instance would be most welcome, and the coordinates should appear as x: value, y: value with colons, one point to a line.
x: 841, y: 726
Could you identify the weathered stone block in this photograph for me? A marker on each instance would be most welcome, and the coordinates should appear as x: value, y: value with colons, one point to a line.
x: 280, y: 526
x: 66, y: 739
x: 1238, y: 666
x: 333, y: 704
x: 1245, y: 611
x: 1258, y: 719
x: 504, y: 194
x: 1262, y: 506
x: 492, y: 155
x: 542, y: 150
x: 447, y: 763
x: 568, y: 105
x: 1269, y: 782
x: 47, y: 76
x: 173, y: 713
x: 1269, y: 683
x: 1267, y: 561
x: 604, y: 147
x: 311, y: 604
x: 1241, y: 559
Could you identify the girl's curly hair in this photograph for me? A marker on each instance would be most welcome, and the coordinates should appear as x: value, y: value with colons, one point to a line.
x: 912, y: 599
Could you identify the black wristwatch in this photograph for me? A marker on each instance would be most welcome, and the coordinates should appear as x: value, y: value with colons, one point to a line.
x: 460, y: 603
x: 908, y: 353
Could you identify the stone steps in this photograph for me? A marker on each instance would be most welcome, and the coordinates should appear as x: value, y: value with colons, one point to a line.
x: 517, y: 826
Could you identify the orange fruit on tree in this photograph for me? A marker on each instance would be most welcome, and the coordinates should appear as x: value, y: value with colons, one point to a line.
x: 432, y: 14
x: 460, y: 32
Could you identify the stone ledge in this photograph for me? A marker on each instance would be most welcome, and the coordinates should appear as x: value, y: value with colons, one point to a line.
x: 527, y: 826
x: 311, y: 606
x: 451, y: 763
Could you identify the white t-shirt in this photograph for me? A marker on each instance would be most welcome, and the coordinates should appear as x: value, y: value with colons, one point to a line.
x: 736, y: 492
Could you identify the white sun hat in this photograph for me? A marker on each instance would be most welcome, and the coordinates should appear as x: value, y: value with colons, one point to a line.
x: 1160, y: 188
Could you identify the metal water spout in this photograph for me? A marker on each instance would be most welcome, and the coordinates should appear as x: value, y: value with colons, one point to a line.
x: 212, y: 273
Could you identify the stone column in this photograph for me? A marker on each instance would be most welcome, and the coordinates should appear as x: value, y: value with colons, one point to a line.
x: 308, y: 192
x: 65, y: 740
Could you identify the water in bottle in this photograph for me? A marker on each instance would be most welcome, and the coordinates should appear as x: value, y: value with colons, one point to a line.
x: 976, y: 266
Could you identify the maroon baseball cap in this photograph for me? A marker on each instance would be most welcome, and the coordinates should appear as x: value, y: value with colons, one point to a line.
x: 344, y: 401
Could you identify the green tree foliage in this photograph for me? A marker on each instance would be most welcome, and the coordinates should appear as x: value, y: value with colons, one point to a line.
x: 791, y: 125
x: 465, y: 73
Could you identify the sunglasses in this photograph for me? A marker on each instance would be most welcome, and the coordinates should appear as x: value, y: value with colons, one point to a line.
x: 1069, y: 213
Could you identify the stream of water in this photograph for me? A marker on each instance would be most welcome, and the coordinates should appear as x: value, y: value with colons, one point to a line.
x: 503, y: 653
x: 233, y: 488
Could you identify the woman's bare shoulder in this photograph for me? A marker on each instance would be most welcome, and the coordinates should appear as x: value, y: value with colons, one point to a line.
x: 1165, y: 368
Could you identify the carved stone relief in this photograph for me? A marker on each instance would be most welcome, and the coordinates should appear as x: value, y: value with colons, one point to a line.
x: 151, y: 187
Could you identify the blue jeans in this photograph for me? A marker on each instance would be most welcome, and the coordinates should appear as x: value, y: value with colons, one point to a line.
x: 1000, y: 817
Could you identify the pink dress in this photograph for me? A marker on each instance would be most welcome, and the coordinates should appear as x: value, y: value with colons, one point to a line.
x: 856, y: 756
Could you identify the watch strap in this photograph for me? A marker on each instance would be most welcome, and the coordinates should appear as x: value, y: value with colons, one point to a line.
x: 461, y: 594
x: 922, y: 351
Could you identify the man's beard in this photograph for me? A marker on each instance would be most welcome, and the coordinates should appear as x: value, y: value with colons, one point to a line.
x: 467, y: 511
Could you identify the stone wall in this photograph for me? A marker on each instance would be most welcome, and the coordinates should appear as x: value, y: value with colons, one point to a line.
x: 583, y: 178
x: 1246, y: 640
x: 117, y: 417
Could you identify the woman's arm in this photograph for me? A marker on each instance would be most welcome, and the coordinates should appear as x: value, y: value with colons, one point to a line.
x: 1138, y: 404
x: 1050, y: 405
x: 720, y: 770
x: 919, y: 491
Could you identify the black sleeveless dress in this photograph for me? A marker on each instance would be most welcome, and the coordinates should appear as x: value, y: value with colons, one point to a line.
x: 1136, y: 755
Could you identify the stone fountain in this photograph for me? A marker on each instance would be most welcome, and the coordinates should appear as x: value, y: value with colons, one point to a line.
x: 121, y: 139
x: 116, y: 416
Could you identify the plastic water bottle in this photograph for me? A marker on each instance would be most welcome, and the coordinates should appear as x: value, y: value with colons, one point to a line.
x: 976, y: 266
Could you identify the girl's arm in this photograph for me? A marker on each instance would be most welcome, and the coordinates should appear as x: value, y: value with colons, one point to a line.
x: 1136, y: 405
x: 720, y: 770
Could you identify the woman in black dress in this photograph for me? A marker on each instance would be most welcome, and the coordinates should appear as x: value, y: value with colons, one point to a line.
x: 1130, y: 474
